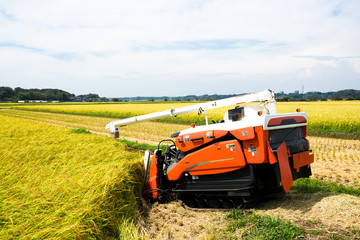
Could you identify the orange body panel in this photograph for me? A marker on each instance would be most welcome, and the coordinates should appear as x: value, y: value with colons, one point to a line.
x: 189, y: 141
x: 278, y: 120
x: 302, y: 159
x: 151, y: 185
x: 285, y: 171
x: 255, y: 149
x: 271, y: 156
x: 244, y: 133
x: 217, y: 158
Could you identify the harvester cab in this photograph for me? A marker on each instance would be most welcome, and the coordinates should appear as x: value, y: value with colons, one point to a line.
x: 251, y: 153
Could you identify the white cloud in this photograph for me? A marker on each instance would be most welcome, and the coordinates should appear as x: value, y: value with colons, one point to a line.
x: 118, y: 48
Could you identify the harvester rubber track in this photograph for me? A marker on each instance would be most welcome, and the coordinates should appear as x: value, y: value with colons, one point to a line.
x: 221, y: 203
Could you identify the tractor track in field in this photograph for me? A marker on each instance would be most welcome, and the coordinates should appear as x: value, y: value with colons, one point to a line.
x: 323, y: 215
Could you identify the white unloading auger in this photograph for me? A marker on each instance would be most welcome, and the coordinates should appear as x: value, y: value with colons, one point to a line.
x: 267, y: 97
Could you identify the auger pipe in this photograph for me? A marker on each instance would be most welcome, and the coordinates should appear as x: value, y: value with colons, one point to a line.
x: 266, y: 97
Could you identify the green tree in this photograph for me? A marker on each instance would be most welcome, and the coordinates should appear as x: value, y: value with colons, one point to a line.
x: 6, y: 94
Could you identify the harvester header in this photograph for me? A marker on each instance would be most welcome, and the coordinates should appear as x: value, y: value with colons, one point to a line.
x: 267, y: 97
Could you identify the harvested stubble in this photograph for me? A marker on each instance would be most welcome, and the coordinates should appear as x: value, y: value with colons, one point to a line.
x: 323, y: 215
x: 62, y: 185
x: 336, y: 160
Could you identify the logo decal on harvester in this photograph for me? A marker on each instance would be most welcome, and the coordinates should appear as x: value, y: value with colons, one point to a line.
x: 231, y: 146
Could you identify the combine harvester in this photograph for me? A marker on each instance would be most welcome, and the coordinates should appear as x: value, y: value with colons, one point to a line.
x: 251, y: 153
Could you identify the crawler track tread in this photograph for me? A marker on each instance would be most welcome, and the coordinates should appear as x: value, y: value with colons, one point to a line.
x: 217, y: 203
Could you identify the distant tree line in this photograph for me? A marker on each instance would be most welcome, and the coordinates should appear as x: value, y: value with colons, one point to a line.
x: 8, y: 94
x: 347, y: 94
x: 91, y: 97
x: 205, y: 97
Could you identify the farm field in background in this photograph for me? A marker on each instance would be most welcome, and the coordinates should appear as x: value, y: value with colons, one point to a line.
x: 148, y: 132
x: 58, y: 184
x: 331, y: 116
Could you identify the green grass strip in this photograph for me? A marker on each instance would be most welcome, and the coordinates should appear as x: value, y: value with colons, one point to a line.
x: 142, y: 146
x: 80, y: 130
x: 254, y: 226
x: 313, y: 185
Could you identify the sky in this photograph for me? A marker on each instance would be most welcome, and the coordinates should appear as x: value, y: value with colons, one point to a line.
x: 119, y: 48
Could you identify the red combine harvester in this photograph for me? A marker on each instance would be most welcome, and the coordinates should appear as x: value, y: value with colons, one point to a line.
x: 252, y: 152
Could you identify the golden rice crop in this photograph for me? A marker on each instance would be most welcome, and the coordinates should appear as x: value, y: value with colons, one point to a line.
x: 335, y: 116
x: 62, y: 185
x: 116, y: 110
x: 332, y: 116
x: 148, y: 132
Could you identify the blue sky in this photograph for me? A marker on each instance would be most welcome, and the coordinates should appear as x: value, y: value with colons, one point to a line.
x: 175, y: 48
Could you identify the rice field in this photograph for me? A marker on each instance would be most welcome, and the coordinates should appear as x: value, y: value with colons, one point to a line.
x: 147, y: 132
x: 337, y: 160
x: 330, y: 116
x: 59, y: 184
